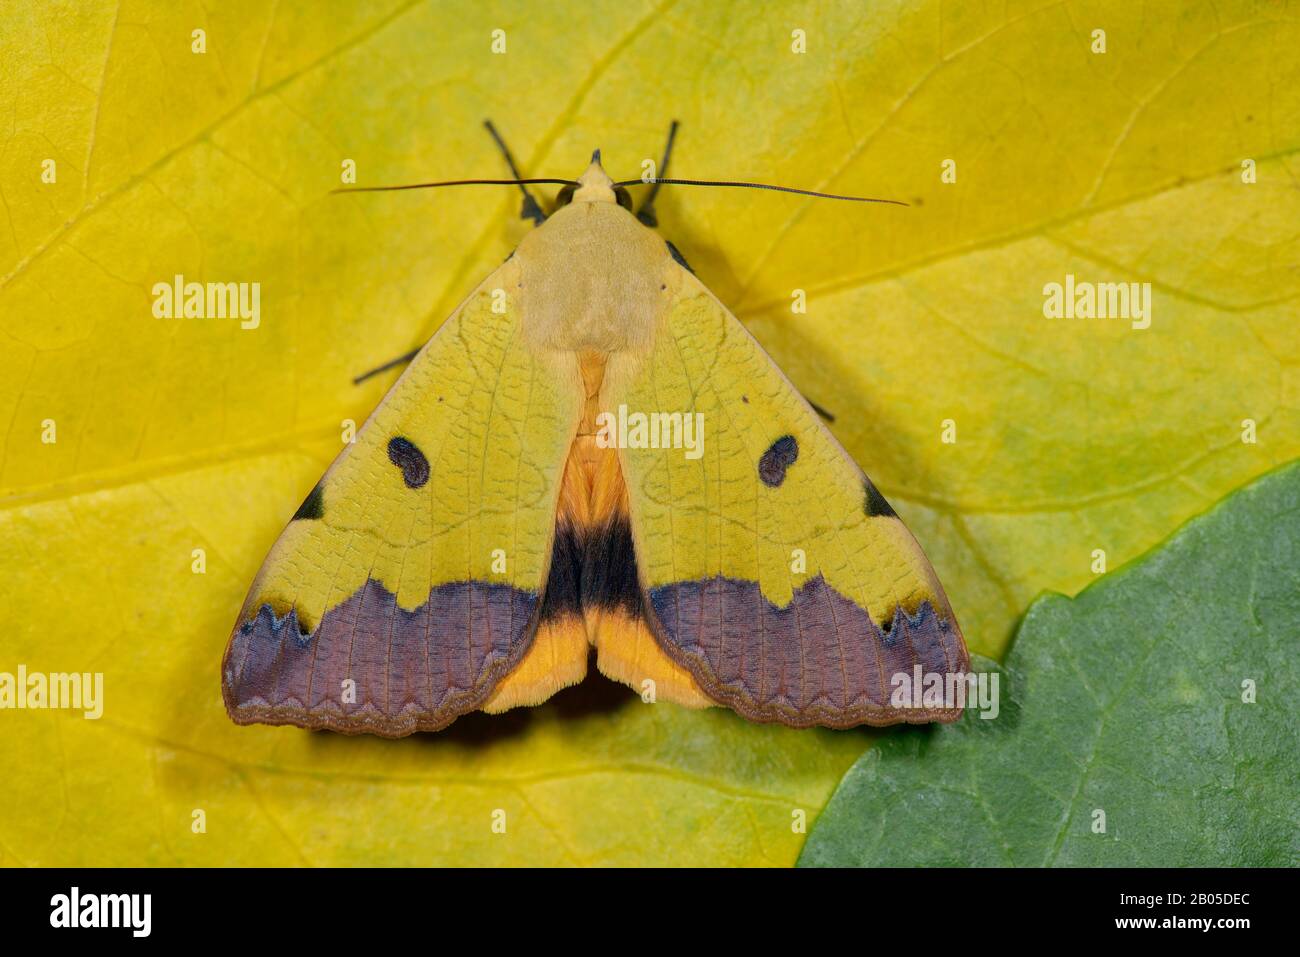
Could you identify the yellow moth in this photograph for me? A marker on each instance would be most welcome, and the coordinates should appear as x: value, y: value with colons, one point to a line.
x: 592, y: 451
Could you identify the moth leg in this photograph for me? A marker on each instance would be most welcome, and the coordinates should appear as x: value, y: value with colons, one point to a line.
x: 678, y: 257
x: 647, y: 211
x: 529, y: 209
x: 400, y: 360
x: 819, y: 410
x: 646, y: 214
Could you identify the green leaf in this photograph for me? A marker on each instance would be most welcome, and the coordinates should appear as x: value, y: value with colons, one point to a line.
x: 1127, y: 700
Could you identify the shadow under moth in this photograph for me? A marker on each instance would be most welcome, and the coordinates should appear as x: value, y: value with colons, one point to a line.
x: 591, y: 451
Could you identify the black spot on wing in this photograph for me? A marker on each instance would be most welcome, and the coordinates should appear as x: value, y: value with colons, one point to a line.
x: 405, y: 455
x: 779, y: 456
x: 874, y: 503
x: 313, y: 506
x: 679, y: 258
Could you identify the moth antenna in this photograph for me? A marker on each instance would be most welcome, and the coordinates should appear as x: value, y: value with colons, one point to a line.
x: 780, y: 189
x: 456, y: 182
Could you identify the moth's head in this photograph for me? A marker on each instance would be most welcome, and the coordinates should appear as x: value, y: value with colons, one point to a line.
x: 594, y: 186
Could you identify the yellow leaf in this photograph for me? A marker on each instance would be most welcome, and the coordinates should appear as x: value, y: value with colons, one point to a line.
x: 1072, y: 435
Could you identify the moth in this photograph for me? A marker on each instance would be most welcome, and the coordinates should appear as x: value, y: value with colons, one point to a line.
x: 488, y: 527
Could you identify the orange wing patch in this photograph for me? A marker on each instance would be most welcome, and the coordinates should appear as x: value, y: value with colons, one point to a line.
x: 593, y: 594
